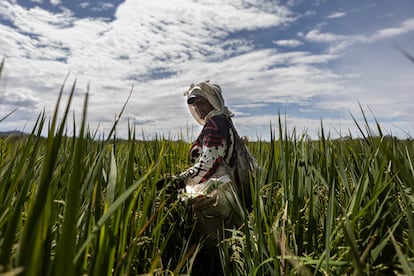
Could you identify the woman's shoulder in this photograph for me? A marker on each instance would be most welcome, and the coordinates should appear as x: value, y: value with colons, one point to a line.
x: 218, y: 120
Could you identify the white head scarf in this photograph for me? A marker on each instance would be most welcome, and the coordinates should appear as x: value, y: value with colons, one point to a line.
x: 211, y: 92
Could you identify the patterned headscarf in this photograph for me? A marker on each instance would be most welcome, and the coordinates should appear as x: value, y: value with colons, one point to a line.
x: 211, y: 92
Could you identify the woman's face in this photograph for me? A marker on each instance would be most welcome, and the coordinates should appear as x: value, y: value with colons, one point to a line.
x: 202, y: 106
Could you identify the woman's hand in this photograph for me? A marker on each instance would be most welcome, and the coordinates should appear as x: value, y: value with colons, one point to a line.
x: 203, y: 202
x: 209, y: 205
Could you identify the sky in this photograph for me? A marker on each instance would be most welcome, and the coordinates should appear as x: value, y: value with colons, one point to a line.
x: 315, y: 64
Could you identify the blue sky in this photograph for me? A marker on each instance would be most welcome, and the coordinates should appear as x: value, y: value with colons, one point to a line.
x: 310, y: 61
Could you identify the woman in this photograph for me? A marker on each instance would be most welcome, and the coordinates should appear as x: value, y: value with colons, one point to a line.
x: 210, y: 182
x: 210, y: 187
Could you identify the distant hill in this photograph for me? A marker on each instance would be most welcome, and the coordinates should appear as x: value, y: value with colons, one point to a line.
x: 12, y: 133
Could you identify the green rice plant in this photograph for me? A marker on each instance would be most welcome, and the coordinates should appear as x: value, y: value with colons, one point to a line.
x: 320, y: 207
x: 327, y: 206
x: 83, y: 204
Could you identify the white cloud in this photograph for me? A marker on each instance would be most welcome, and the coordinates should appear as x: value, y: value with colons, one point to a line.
x: 317, y: 36
x: 338, y: 43
x: 288, y: 43
x: 103, y: 6
x: 84, y: 5
x: 177, y: 37
x: 55, y: 2
x: 406, y: 27
x: 336, y: 14
x: 162, y: 47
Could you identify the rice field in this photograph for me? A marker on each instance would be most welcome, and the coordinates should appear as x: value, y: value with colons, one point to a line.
x: 81, y: 204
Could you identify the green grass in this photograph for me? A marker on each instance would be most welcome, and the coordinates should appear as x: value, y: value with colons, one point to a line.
x: 73, y: 205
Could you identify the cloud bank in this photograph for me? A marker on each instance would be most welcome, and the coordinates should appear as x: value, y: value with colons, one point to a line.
x: 298, y: 60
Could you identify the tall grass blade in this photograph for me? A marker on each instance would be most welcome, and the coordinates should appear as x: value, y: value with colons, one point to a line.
x: 35, y: 236
x: 23, y: 175
x: 114, y: 207
x: 67, y: 244
x: 7, y: 115
x: 408, y: 270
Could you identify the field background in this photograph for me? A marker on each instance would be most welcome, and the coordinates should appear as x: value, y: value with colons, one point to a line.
x: 84, y: 204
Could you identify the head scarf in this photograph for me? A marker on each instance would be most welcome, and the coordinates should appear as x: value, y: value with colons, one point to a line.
x: 211, y: 92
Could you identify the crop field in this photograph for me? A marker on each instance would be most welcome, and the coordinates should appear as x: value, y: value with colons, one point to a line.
x: 88, y: 205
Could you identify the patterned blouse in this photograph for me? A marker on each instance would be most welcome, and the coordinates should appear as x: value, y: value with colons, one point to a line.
x: 213, y: 148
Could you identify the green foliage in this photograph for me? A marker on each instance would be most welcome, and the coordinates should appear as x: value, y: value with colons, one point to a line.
x: 80, y: 205
x: 77, y: 205
x: 332, y: 206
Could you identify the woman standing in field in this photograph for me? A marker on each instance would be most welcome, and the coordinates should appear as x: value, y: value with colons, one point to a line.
x: 210, y: 182
x: 211, y: 186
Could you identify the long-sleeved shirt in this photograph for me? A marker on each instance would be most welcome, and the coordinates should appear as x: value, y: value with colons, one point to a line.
x: 212, y: 150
